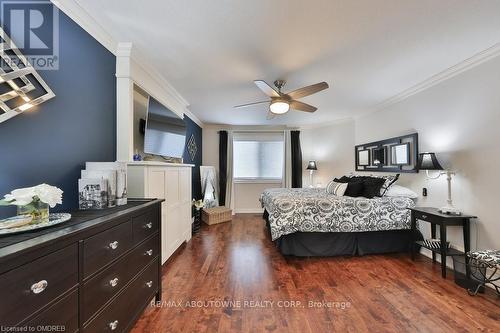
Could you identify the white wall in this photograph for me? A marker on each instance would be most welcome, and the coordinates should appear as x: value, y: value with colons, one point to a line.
x: 211, y: 145
x: 332, y: 146
x: 246, y: 196
x: 459, y: 119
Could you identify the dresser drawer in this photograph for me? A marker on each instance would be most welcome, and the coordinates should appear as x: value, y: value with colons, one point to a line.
x: 103, y: 248
x: 146, y: 251
x: 117, y: 316
x: 145, y: 225
x: 106, y: 284
x: 62, y: 316
x: 29, y: 288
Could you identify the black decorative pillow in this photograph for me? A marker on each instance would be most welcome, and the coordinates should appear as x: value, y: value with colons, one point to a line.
x: 372, y: 186
x: 389, y: 180
x: 343, y: 179
x: 354, y: 189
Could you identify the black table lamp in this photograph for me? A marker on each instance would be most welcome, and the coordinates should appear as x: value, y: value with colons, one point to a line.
x: 427, y: 162
x: 311, y: 167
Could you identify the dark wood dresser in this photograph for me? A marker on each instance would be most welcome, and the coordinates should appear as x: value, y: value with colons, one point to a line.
x: 94, y: 273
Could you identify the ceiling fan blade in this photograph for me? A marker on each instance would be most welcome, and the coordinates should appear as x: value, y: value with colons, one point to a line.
x: 270, y: 115
x: 296, y: 105
x: 309, y: 90
x: 249, y: 104
x: 267, y: 89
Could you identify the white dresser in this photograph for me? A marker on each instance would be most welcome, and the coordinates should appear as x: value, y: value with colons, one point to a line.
x: 172, y: 182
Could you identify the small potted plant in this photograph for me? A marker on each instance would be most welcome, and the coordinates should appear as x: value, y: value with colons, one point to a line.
x: 34, y: 201
x: 197, y: 207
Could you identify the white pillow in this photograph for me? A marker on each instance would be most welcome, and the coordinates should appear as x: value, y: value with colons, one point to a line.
x: 337, y: 189
x: 400, y: 191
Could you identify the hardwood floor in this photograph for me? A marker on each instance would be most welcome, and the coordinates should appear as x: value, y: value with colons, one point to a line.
x: 236, y: 262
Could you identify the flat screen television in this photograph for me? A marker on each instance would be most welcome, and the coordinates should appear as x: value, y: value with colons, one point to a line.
x: 165, y: 132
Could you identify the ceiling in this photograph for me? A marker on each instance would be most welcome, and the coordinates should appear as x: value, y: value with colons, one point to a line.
x: 367, y: 50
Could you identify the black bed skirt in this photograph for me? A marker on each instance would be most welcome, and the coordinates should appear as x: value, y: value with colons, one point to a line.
x: 321, y: 244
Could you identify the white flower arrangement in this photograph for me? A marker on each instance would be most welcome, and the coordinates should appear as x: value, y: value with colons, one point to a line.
x: 50, y: 195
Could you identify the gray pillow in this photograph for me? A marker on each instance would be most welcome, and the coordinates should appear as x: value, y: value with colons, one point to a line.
x: 337, y: 189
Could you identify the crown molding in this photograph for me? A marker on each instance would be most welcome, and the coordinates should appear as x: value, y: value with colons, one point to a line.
x: 465, y: 65
x: 124, y: 49
x: 87, y: 22
x: 194, y: 118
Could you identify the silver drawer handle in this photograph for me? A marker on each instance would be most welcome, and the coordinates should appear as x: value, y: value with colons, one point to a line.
x: 114, y: 282
x: 38, y: 287
x: 149, y: 284
x: 113, y: 325
x: 113, y: 245
x: 148, y: 225
x: 149, y: 252
x: 424, y: 216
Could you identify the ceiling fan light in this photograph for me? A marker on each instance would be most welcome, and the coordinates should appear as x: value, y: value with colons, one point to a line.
x: 279, y: 107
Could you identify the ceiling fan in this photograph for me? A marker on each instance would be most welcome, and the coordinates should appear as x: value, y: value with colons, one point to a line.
x: 280, y: 102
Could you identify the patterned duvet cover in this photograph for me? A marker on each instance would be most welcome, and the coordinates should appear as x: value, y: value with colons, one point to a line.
x: 314, y: 210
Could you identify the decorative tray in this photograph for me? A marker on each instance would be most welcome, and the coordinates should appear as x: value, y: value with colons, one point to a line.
x: 54, y: 219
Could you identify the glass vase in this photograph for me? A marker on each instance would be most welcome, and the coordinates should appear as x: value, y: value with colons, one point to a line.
x: 38, y: 210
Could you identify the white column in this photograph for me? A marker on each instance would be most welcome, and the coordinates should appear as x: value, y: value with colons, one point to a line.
x: 124, y: 104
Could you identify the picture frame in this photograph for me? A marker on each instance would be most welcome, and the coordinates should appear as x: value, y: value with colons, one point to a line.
x: 400, y: 154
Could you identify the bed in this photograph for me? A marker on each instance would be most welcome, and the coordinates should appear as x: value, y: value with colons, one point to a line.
x: 311, y: 222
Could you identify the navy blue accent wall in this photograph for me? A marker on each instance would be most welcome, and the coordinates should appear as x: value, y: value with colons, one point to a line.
x: 50, y: 143
x: 194, y: 129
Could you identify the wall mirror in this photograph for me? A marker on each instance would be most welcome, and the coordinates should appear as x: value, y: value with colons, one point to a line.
x: 400, y: 154
x: 364, y: 157
x: 379, y: 156
x: 396, y: 155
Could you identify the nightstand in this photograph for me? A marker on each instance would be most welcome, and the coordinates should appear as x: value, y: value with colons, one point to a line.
x: 434, y: 217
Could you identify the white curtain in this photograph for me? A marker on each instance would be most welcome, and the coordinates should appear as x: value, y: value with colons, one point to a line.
x: 288, y: 160
x: 229, y: 184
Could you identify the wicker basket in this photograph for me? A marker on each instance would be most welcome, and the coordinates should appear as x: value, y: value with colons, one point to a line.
x: 216, y: 215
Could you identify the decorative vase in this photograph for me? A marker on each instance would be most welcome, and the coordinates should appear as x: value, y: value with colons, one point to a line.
x: 38, y: 210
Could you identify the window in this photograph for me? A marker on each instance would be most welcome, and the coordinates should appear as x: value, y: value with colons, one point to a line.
x: 258, y: 156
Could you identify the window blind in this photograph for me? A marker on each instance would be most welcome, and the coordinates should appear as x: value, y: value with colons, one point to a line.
x: 258, y: 155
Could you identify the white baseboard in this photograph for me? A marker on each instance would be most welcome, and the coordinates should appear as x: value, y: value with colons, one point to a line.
x: 249, y: 210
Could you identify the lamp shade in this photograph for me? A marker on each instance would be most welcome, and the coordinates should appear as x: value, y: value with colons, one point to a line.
x: 428, y: 161
x: 312, y: 165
